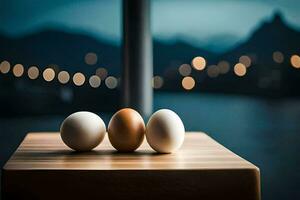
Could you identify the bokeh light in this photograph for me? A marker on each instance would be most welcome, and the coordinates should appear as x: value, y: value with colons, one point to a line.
x: 111, y: 82
x: 199, y: 63
x: 33, y: 72
x: 213, y: 71
x: 295, y: 61
x: 18, y: 70
x: 278, y: 57
x: 102, y: 73
x: 91, y: 58
x: 188, y: 83
x: 157, y: 82
x: 185, y: 70
x: 63, y: 77
x: 48, y: 74
x: 240, y: 69
x: 78, y: 79
x: 4, y: 67
x: 245, y: 60
x: 223, y: 66
x: 95, y: 81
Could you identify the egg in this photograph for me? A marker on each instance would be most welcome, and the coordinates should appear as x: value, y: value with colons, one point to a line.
x: 165, y: 131
x: 82, y: 131
x: 126, y: 130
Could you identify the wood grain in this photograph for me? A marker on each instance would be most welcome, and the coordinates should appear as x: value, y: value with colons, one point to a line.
x: 206, y: 169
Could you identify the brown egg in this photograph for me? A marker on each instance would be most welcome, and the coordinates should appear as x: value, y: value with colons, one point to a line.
x: 126, y: 130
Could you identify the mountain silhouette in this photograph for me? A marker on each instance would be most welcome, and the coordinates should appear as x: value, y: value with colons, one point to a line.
x: 64, y: 49
x: 270, y: 36
x: 67, y: 50
x: 265, y: 76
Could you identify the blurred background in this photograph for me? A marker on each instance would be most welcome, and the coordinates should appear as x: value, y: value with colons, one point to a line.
x: 229, y: 68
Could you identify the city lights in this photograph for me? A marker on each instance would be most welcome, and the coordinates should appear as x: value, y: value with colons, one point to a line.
x: 4, y: 67
x: 48, y: 74
x: 18, y: 70
x: 102, y: 73
x: 240, y: 69
x: 188, y: 83
x: 245, y: 60
x: 295, y: 61
x: 33, y: 72
x: 223, y: 66
x: 78, y: 79
x: 199, y: 63
x: 185, y: 70
x: 157, y: 82
x: 91, y: 58
x: 94, y: 81
x: 278, y: 57
x: 63, y: 77
x: 111, y: 82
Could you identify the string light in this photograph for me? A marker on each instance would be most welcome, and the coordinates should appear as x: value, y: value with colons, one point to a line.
x: 33, y: 72
x: 48, y: 74
x: 295, y: 61
x: 4, y: 67
x: 91, y: 58
x: 224, y: 67
x: 185, y: 69
x: 18, y: 70
x: 245, y: 60
x: 188, y: 83
x: 199, y: 63
x: 78, y: 79
x: 240, y: 69
x: 278, y: 57
x: 94, y: 81
x: 111, y: 82
x: 63, y: 77
x: 102, y: 73
x: 157, y: 82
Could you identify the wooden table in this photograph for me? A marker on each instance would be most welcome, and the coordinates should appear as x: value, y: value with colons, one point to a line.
x: 44, y: 168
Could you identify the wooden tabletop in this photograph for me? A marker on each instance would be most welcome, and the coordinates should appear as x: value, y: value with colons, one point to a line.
x: 46, y: 151
x: 44, y: 168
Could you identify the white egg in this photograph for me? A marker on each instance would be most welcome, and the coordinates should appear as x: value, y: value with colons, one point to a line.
x: 165, y: 131
x: 82, y: 131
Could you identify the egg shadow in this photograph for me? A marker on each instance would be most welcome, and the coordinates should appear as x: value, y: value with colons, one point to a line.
x: 135, y: 153
x: 72, y: 154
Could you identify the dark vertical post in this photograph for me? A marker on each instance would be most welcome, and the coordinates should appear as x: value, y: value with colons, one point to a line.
x: 137, y: 52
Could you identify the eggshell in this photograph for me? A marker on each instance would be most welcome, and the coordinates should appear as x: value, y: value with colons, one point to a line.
x: 126, y: 130
x: 165, y: 131
x: 82, y: 131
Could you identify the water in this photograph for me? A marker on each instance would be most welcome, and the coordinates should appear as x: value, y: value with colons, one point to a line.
x: 263, y: 131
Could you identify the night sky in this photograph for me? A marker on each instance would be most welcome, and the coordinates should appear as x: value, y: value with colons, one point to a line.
x: 212, y: 24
